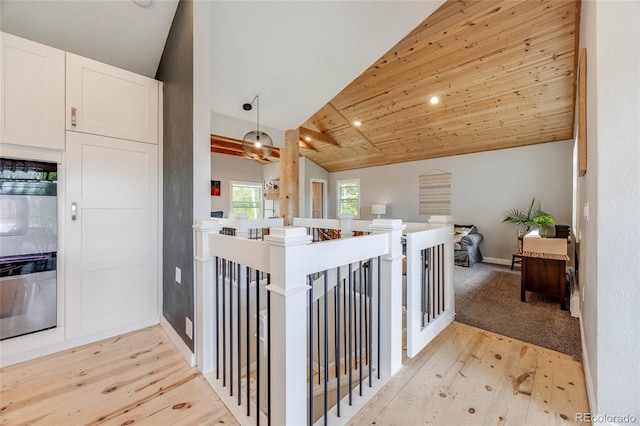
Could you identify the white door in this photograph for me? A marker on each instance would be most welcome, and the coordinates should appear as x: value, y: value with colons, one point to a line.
x: 32, y: 92
x: 108, y: 101
x: 111, y: 227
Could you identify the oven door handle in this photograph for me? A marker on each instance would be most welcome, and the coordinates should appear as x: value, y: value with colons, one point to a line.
x: 74, y: 211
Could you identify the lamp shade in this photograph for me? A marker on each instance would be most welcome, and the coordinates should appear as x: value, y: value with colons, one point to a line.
x: 257, y: 144
x: 378, y: 209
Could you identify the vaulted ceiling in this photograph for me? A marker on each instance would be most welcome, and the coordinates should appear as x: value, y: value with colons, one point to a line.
x: 504, y: 73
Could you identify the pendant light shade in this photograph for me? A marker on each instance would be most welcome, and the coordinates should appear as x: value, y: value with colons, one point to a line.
x: 256, y: 144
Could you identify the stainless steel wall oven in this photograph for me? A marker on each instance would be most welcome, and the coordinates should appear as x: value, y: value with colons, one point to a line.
x: 28, y: 246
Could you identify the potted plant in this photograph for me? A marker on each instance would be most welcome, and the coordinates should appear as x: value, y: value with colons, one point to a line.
x: 524, y: 219
x: 546, y: 225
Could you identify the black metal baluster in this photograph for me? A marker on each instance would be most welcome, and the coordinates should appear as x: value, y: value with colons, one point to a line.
x: 444, y: 271
x: 318, y: 313
x: 247, y: 362
x: 439, y: 270
x: 367, y: 273
x: 350, y: 335
x: 239, y: 331
x: 231, y: 328
x: 423, y: 280
x: 344, y: 310
x: 224, y: 323
x: 428, y: 274
x: 360, y: 303
x: 268, y: 352
x: 217, y: 319
x: 370, y: 329
x: 379, y: 285
x: 337, y: 336
x: 326, y: 345
x: 258, y: 346
x: 310, y: 350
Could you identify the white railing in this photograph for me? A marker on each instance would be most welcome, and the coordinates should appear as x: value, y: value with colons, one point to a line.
x: 430, y: 286
x: 299, y: 279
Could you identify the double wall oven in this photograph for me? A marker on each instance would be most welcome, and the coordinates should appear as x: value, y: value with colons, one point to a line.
x: 28, y: 246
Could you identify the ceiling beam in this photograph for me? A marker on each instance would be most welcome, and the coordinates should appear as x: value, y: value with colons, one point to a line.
x: 317, y: 136
x: 306, y: 145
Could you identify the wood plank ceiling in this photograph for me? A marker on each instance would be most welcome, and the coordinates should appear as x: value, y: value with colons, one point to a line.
x: 504, y: 72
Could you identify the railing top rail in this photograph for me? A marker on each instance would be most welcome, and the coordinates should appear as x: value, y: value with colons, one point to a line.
x: 252, y: 253
x: 325, y: 255
x: 306, y: 222
x: 429, y: 238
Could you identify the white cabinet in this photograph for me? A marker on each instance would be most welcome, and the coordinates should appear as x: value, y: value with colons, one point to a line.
x: 32, y: 88
x: 111, y: 223
x: 108, y: 101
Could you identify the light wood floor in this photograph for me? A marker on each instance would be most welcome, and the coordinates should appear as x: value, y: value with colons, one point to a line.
x: 136, y: 378
x: 466, y: 376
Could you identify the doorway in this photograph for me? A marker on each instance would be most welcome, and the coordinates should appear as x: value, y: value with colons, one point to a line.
x: 318, y: 198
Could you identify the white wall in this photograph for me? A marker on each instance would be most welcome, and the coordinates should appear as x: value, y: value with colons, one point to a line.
x: 226, y: 168
x: 483, y: 186
x: 609, y: 257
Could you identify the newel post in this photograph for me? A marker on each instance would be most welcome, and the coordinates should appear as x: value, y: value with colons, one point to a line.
x: 288, y: 290
x: 346, y: 226
x: 390, y: 296
x: 205, y: 308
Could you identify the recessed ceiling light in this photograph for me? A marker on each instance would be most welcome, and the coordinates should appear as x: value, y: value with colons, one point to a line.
x: 434, y: 100
x: 357, y: 123
x: 307, y: 138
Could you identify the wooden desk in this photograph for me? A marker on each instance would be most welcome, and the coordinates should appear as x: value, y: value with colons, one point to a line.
x: 545, y: 274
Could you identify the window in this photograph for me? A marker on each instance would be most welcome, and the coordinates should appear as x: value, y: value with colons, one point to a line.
x: 348, y: 197
x: 246, y: 198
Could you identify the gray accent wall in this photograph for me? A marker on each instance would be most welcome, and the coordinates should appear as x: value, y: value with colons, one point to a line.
x: 176, y: 71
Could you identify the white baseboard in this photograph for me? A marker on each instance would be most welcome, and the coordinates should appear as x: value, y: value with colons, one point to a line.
x: 183, y: 349
x: 591, y: 396
x: 496, y: 261
x: 43, y: 343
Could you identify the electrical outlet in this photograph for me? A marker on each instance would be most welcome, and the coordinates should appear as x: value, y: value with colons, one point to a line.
x: 586, y: 211
x: 188, y: 327
x: 178, y: 275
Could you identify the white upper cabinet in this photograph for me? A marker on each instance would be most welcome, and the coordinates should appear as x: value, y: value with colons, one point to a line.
x: 32, y: 79
x: 108, y: 101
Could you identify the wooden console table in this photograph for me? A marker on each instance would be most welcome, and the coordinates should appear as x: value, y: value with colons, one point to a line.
x: 546, y: 274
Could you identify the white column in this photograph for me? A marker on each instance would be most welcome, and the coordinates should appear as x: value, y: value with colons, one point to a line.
x: 205, y: 308
x: 288, y: 324
x: 390, y: 296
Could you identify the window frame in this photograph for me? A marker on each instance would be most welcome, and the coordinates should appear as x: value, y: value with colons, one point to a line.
x: 339, y: 184
x: 257, y: 185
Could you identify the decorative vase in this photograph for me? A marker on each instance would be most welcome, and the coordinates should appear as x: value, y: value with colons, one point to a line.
x: 548, y: 231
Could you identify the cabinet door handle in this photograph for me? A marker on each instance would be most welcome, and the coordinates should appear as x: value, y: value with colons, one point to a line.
x: 74, y: 211
x: 74, y: 110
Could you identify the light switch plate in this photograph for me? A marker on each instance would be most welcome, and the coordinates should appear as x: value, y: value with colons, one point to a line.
x: 188, y: 327
x: 178, y: 275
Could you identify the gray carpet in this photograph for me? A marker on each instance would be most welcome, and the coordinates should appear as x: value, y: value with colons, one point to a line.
x: 488, y: 297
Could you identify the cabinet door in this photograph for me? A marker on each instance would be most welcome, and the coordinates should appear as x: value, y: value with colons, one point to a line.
x: 32, y: 91
x: 111, y: 228
x: 108, y: 101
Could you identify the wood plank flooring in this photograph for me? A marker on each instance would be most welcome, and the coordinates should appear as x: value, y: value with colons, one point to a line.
x: 466, y: 376
x: 134, y: 378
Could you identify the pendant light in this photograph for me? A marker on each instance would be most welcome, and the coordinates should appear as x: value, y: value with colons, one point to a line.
x: 256, y: 144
